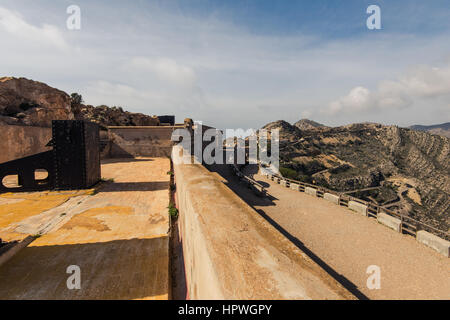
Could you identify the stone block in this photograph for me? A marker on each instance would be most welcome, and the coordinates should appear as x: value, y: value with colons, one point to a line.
x: 440, y: 245
x: 311, y: 191
x: 358, y: 207
x: 331, y: 197
x: 390, y: 221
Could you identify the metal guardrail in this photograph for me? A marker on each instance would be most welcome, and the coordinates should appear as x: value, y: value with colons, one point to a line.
x: 250, y: 182
x: 408, y: 225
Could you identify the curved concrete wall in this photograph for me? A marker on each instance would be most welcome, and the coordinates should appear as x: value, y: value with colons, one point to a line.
x: 21, y: 141
x: 231, y: 252
x: 152, y: 141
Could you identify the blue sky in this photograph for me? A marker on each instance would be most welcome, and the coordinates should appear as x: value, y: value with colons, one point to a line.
x: 240, y: 64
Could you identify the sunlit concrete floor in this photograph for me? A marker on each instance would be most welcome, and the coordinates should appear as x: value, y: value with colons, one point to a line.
x: 117, y: 234
x: 346, y: 243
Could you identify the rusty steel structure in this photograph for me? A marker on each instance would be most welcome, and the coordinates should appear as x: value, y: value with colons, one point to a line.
x: 73, y: 163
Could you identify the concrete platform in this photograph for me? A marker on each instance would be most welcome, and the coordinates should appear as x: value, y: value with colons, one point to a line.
x: 348, y: 243
x: 118, y: 236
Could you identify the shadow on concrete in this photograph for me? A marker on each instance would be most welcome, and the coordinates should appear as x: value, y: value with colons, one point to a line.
x: 135, y: 186
x: 253, y: 200
x: 350, y: 286
x: 263, y: 183
x: 119, y: 160
x: 177, y: 271
x: 240, y: 188
x: 120, y: 269
x: 5, y: 246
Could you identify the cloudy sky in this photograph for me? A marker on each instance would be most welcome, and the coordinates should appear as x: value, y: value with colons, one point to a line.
x: 240, y: 64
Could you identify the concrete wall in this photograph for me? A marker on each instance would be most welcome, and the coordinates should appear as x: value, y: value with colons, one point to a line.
x: 141, y: 141
x: 231, y: 252
x: 21, y: 141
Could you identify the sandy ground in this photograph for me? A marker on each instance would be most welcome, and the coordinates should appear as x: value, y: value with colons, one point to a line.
x: 346, y: 244
x: 117, y: 235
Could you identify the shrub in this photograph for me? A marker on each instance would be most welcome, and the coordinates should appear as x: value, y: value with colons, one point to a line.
x: 173, y: 211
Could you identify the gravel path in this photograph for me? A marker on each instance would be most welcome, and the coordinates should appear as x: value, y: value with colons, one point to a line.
x: 346, y: 244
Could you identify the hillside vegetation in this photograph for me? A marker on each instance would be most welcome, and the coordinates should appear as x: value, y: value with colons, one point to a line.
x: 406, y: 170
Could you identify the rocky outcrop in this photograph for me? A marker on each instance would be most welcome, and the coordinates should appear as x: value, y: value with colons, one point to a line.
x: 28, y: 102
x: 32, y: 103
x: 408, y: 165
x: 439, y: 129
x: 306, y: 124
x: 115, y: 116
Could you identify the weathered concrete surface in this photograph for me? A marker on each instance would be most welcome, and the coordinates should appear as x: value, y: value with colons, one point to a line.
x: 357, y: 207
x: 283, y: 183
x: 331, y: 197
x: 231, y: 252
x: 153, y: 141
x: 311, y: 191
x: 294, y: 186
x: 117, y: 236
x: 440, y: 245
x: 24, y: 214
x: 349, y: 243
x: 21, y: 141
x: 14, y: 248
x: 389, y: 221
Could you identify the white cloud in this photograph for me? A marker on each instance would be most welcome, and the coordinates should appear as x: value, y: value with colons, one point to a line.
x: 420, y: 83
x: 163, y: 61
x: 166, y: 69
x: 14, y: 24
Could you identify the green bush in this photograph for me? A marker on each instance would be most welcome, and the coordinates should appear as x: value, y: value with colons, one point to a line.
x: 288, y: 173
x: 173, y: 212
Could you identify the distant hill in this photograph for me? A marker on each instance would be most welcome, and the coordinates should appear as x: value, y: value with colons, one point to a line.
x: 410, y: 167
x: 439, y: 129
x: 306, y: 124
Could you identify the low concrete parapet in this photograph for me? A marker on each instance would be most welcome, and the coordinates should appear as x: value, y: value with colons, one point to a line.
x: 389, y: 221
x: 331, y: 197
x: 277, y: 180
x: 311, y: 191
x: 357, y: 207
x: 440, y: 245
x: 223, y: 238
x: 283, y: 183
x: 294, y: 186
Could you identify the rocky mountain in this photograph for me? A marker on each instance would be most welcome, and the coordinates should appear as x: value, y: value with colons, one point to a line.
x: 406, y: 170
x: 306, y: 124
x: 439, y: 129
x: 33, y: 103
x: 115, y: 116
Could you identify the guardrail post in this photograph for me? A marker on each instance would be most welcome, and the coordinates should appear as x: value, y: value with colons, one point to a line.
x: 401, y: 224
